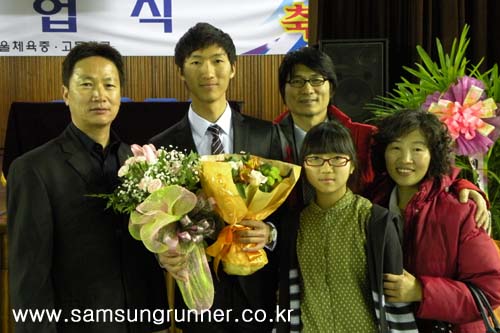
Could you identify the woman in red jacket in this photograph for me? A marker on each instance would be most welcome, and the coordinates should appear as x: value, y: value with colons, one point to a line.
x: 443, y: 247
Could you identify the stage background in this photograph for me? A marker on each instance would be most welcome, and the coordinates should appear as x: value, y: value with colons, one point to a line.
x: 38, y: 79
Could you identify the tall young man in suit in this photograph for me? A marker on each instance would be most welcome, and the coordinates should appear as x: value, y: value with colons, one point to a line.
x: 206, y: 58
x: 66, y: 252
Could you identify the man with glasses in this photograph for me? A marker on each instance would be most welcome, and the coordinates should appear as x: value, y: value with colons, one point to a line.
x: 307, y: 82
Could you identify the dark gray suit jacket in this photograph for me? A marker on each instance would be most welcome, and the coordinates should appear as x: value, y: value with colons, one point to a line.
x: 252, y: 135
x: 66, y: 251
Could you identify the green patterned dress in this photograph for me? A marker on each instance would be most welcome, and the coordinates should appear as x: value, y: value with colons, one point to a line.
x: 336, y: 294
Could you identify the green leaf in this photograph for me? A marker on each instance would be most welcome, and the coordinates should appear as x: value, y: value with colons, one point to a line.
x: 427, y: 77
x: 241, y: 190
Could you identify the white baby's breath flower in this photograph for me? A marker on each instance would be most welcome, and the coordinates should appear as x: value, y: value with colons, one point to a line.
x: 175, y: 166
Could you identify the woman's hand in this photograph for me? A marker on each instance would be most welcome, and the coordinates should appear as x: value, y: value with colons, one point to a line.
x: 402, y: 288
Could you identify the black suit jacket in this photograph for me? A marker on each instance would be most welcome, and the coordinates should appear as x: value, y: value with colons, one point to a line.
x: 256, y: 137
x: 66, y: 251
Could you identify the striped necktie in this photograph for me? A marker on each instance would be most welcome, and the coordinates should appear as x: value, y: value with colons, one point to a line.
x: 217, y: 147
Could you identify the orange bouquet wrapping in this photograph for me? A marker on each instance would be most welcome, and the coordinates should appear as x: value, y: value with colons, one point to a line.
x: 245, y: 187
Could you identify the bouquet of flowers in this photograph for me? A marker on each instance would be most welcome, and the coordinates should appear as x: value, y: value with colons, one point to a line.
x: 160, y: 190
x: 245, y: 187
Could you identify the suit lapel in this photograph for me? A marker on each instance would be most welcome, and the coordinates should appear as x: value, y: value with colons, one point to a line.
x: 124, y: 152
x: 76, y: 156
x: 184, y: 135
x: 286, y: 128
x: 240, y: 132
x: 179, y: 136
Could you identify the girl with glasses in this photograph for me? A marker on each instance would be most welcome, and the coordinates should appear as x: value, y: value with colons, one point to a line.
x: 344, y: 244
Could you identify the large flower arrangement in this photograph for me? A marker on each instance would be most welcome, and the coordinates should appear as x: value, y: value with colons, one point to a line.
x: 469, y: 116
x: 160, y: 189
x: 466, y: 101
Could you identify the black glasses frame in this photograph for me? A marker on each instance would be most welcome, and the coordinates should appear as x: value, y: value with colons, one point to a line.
x: 300, y: 82
x: 342, y: 161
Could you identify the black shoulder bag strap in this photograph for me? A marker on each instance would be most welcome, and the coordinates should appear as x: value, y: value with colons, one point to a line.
x: 485, y: 309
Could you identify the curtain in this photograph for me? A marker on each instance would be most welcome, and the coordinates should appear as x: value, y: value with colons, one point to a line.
x: 407, y: 23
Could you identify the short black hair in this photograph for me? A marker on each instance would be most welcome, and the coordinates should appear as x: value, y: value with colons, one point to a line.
x: 331, y: 137
x: 201, y: 36
x: 402, y: 123
x: 311, y: 57
x: 91, y: 49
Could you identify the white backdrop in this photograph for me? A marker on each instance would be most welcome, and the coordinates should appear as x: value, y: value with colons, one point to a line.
x: 148, y: 27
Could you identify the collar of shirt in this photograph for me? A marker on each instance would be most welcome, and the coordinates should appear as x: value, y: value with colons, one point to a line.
x: 300, y: 135
x: 393, y: 202
x: 94, y: 148
x: 203, y: 139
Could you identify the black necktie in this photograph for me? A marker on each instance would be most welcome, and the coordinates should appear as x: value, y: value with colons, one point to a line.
x: 217, y: 147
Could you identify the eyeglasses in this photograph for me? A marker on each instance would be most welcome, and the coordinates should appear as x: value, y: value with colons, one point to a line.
x: 337, y: 161
x: 299, y: 82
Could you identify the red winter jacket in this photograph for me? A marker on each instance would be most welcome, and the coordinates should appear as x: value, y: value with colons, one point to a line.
x: 442, y: 248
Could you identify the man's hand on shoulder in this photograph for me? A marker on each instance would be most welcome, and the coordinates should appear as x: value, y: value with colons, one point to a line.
x: 483, y: 217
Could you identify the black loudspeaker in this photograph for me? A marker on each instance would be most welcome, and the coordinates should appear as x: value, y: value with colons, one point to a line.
x: 362, y: 72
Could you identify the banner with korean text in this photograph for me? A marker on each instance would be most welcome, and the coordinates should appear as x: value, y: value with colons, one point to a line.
x: 148, y: 27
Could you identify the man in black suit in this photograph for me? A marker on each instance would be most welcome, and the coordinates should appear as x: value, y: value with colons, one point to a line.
x: 206, y: 59
x: 66, y: 252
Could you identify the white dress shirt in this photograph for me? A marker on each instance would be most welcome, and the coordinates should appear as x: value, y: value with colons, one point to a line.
x: 203, y: 138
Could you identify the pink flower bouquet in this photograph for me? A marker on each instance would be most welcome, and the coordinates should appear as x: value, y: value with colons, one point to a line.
x: 158, y: 191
